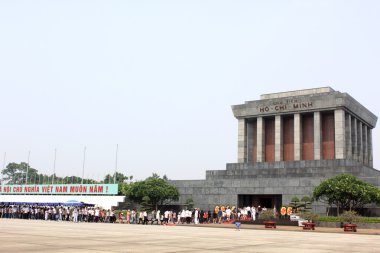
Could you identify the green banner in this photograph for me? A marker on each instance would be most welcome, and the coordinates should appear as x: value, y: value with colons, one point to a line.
x: 61, y: 189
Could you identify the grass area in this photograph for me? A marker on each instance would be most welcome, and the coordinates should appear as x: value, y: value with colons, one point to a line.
x: 339, y: 219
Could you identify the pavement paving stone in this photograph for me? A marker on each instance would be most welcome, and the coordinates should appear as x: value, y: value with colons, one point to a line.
x: 44, y: 236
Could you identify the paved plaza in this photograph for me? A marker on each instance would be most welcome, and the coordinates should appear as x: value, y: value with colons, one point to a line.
x: 45, y: 236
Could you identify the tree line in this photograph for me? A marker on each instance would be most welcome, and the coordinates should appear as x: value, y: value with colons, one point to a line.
x: 22, y: 173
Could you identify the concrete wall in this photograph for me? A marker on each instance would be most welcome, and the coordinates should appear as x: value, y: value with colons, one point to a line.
x: 291, y: 178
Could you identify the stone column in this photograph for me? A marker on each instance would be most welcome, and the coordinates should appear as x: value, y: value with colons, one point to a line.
x: 260, y: 139
x: 242, y: 141
x: 348, y: 137
x: 250, y: 138
x: 360, y: 141
x: 317, y: 136
x: 370, y: 148
x: 365, y: 145
x: 354, y: 138
x: 278, y: 139
x: 297, y: 137
x: 340, y: 141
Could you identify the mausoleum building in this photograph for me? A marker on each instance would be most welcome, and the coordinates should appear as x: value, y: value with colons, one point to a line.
x: 288, y: 143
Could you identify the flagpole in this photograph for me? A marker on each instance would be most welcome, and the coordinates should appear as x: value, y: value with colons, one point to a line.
x: 114, y: 178
x: 5, y: 156
x: 84, y: 160
x: 55, y: 158
x: 27, y: 169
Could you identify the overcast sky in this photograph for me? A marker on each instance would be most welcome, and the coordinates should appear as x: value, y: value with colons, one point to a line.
x: 159, y: 77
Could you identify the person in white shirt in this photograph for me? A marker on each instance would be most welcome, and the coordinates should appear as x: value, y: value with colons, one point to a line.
x: 75, y: 215
x: 91, y: 213
x: 253, y: 213
x: 50, y: 214
x: 166, y: 217
x: 228, y: 213
x: 60, y: 214
x: 97, y: 214
x: 188, y: 216
x: 158, y: 216
x: 14, y: 212
x: 196, y: 218
x: 80, y: 214
x: 31, y: 213
x: 145, y: 214
x: 112, y: 216
x: 133, y: 216
x: 183, y: 216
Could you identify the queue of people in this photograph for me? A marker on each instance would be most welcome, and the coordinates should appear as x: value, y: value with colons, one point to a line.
x: 195, y: 216
x: 145, y: 217
x: 220, y: 215
x: 89, y: 214
x: 58, y: 213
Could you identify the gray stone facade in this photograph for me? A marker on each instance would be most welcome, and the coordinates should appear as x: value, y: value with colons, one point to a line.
x: 352, y: 150
x: 289, y: 179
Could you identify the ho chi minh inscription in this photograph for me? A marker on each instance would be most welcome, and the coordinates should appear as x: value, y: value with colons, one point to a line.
x: 288, y: 104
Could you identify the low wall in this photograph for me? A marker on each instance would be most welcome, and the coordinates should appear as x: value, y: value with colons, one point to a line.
x: 279, y: 222
x: 339, y: 224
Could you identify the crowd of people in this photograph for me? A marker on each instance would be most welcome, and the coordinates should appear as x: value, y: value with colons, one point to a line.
x: 58, y: 213
x: 196, y: 216
x: 91, y: 214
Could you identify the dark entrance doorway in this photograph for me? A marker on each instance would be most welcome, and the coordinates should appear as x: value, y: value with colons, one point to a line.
x: 263, y: 200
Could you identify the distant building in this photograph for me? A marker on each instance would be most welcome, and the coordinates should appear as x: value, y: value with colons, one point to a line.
x: 288, y: 143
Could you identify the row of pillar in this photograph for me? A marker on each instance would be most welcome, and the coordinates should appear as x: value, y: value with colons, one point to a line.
x: 353, y: 138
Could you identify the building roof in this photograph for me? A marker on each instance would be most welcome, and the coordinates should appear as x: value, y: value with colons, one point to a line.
x: 303, y: 101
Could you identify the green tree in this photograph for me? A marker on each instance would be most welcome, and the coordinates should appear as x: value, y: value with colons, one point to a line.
x: 120, y: 178
x: 295, y: 203
x: 309, y: 216
x: 146, y: 204
x: 305, y: 205
x: 15, y: 173
x: 154, y: 175
x: 306, y: 200
x: 152, y: 192
x: 189, y: 203
x: 267, y: 215
x: 346, y: 192
x: 75, y: 180
x: 349, y: 216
